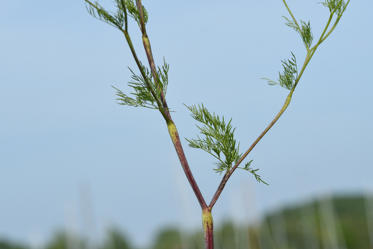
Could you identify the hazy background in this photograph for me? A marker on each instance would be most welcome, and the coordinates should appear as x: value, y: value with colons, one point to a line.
x: 71, y: 157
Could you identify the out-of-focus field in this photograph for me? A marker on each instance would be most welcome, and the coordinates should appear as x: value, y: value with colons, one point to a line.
x: 339, y: 222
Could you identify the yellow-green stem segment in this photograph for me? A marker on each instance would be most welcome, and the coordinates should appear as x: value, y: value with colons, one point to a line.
x: 172, y: 131
x: 207, y: 220
x: 208, y: 228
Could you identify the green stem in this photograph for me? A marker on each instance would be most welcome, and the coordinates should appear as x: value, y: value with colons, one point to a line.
x: 296, y: 23
x: 325, y: 29
x: 291, y: 14
x: 336, y: 21
x: 148, y: 85
x: 310, y: 53
x: 230, y: 172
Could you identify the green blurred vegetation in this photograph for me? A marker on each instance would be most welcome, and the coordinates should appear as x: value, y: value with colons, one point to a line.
x: 6, y: 244
x: 327, y: 223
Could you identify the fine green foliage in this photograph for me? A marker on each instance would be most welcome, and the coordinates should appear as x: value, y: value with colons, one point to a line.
x: 290, y: 75
x: 304, y: 30
x: 287, y: 78
x: 116, y: 19
x: 134, y: 13
x: 218, y: 140
x: 142, y: 94
x: 217, y: 137
x: 335, y: 6
x: 248, y: 168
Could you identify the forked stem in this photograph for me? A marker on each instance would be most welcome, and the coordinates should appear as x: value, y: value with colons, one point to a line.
x: 159, y: 97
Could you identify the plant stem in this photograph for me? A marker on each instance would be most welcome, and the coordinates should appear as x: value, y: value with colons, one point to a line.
x: 230, y: 172
x: 149, y: 54
x: 172, y: 130
x: 158, y: 94
x: 310, y: 53
x: 208, y: 228
x: 174, y: 134
x: 264, y: 132
x: 291, y: 14
x: 336, y: 21
x: 138, y: 63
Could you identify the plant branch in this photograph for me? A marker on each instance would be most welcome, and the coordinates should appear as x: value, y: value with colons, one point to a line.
x: 291, y: 14
x: 323, y: 36
x: 133, y: 51
x: 336, y: 21
x: 138, y: 63
x: 174, y: 134
x: 230, y: 172
x: 324, y: 31
x: 149, y: 54
x: 125, y: 16
x: 310, y: 53
x: 264, y: 132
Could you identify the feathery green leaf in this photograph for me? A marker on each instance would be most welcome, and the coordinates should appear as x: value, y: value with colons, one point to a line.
x: 288, y: 76
x: 304, y: 30
x: 97, y: 11
x: 335, y: 6
x: 119, y: 18
x: 134, y: 13
x: 142, y: 94
x: 248, y: 168
x: 217, y: 137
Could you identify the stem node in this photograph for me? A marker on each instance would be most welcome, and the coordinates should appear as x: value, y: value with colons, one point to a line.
x: 208, y: 228
x: 172, y: 131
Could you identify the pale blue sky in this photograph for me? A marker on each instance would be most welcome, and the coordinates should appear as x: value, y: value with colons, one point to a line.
x: 63, y: 139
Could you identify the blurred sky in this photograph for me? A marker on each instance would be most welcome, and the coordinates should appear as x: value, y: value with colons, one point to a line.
x: 71, y: 157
